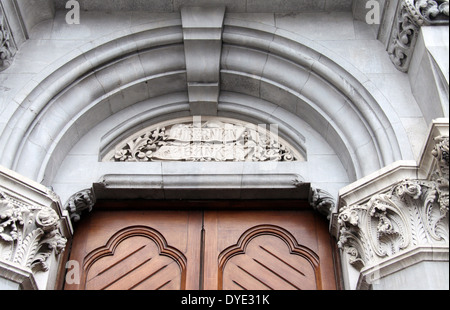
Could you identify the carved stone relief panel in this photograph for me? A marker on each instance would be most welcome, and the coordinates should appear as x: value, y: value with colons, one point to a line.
x: 210, y: 140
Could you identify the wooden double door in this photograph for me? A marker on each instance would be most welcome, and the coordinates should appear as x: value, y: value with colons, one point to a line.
x: 204, y: 249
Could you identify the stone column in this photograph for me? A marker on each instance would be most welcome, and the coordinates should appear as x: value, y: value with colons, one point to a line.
x: 33, y: 234
x: 392, y: 227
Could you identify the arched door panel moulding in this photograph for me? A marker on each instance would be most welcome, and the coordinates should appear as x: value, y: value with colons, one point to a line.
x: 156, y: 247
x: 65, y: 104
x: 308, y: 276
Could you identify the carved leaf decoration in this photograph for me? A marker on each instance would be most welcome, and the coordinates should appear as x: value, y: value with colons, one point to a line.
x: 354, y: 243
x: 389, y: 235
x: 28, y: 249
x: 430, y: 9
x: 434, y: 215
x: 55, y: 242
x: 52, y: 242
x: 6, y: 44
x: 40, y: 261
x: 412, y: 15
x: 29, y: 234
x: 444, y: 8
x: 136, y: 146
x: 354, y: 258
x: 418, y: 233
x: 6, y: 237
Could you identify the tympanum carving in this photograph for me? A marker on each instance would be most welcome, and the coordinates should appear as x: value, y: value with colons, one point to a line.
x: 204, y: 142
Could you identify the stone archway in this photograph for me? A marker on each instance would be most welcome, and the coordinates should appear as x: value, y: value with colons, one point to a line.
x: 150, y: 63
x: 140, y: 77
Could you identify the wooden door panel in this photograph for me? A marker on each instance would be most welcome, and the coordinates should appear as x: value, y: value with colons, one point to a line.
x: 268, y: 263
x: 138, y: 250
x: 264, y: 250
x: 110, y: 271
x: 210, y: 249
x: 136, y: 263
x: 229, y: 226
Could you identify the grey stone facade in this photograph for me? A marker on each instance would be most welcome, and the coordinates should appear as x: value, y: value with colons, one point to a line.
x: 361, y: 111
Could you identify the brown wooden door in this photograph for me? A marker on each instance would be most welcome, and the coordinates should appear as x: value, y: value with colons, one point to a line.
x: 204, y: 249
x: 267, y: 250
x: 138, y: 250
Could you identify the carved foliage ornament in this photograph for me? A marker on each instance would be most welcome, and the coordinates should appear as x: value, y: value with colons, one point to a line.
x: 204, y: 142
x: 6, y: 43
x: 29, y: 234
x: 431, y: 11
x: 411, y: 15
x: 441, y: 174
x: 412, y: 213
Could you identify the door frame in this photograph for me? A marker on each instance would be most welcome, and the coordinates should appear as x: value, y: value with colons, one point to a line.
x: 257, y: 192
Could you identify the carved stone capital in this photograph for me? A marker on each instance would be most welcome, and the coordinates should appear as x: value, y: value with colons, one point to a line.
x: 411, y: 16
x: 411, y: 214
x: 29, y: 234
x: 397, y: 217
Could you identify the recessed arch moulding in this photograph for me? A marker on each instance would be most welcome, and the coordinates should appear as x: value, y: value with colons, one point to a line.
x: 135, y: 78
